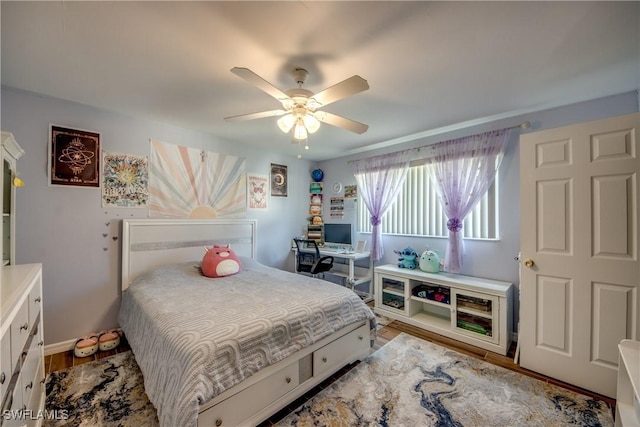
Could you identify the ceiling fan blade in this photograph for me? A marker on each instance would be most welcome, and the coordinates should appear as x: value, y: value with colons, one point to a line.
x: 251, y: 116
x: 348, y: 87
x: 259, y: 82
x: 341, y: 122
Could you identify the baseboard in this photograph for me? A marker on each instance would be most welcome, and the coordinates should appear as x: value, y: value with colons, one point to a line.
x: 59, y: 347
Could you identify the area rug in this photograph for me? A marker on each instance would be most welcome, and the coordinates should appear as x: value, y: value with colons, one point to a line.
x: 107, y: 392
x: 412, y: 382
x: 408, y: 382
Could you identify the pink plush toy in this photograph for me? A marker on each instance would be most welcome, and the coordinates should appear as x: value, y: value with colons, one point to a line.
x: 220, y: 261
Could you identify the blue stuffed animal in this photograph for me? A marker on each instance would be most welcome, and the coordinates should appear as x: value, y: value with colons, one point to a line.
x: 408, y: 258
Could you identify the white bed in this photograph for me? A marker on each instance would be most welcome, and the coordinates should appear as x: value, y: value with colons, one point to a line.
x: 324, y: 343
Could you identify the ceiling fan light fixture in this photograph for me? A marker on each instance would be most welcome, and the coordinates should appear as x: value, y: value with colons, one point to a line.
x: 311, y: 123
x: 300, y: 131
x: 286, y: 122
x: 300, y: 116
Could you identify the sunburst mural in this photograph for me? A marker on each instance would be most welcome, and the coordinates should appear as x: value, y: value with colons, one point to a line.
x: 187, y: 182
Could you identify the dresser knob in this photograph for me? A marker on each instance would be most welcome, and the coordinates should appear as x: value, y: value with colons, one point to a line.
x: 218, y: 422
x: 360, y: 337
x: 3, y: 377
x: 25, y: 326
x: 324, y: 359
x: 28, y: 386
x: 43, y: 380
x: 287, y: 380
x: 41, y: 343
x: 38, y: 299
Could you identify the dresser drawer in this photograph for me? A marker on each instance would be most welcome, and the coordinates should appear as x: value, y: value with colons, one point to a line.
x: 17, y: 403
x: 29, y: 372
x: 20, y: 329
x: 340, y: 352
x: 6, y: 368
x: 240, y: 406
x: 36, y: 402
x: 35, y: 301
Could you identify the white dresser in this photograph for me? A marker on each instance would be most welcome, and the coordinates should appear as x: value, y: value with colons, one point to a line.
x: 22, y: 374
x: 628, y: 391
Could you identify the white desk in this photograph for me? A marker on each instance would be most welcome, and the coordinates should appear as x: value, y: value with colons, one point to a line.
x: 353, y: 274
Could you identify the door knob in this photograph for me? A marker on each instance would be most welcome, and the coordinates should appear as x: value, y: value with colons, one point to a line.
x: 529, y: 263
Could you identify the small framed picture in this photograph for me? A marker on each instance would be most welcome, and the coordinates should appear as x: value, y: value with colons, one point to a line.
x: 315, y: 188
x: 361, y: 245
x: 278, y: 180
x: 74, y: 157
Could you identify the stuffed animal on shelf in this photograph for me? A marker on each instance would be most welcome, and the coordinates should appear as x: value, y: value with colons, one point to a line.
x: 408, y: 258
x: 220, y: 261
x: 430, y: 261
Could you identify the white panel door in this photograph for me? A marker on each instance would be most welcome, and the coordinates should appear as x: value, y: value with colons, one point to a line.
x: 579, y: 227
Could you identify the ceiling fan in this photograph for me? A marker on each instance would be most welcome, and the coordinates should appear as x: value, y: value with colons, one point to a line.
x: 300, y: 112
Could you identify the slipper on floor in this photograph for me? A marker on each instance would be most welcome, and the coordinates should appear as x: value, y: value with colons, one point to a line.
x: 108, y: 340
x: 86, y: 346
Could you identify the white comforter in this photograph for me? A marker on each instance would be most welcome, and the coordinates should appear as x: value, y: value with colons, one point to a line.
x: 195, y: 337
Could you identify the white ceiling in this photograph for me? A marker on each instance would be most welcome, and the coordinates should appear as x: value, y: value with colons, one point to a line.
x: 428, y: 64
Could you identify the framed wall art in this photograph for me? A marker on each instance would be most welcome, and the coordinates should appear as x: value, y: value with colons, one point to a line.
x: 278, y: 180
x: 257, y: 190
x: 125, y: 180
x: 74, y: 157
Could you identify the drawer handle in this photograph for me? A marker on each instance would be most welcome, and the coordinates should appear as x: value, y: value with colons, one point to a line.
x: 43, y: 380
x: 287, y: 380
x: 360, y: 337
x: 25, y: 326
x: 28, y: 386
x: 38, y: 299
x: 324, y: 359
x: 218, y: 422
x: 3, y: 377
x: 41, y: 343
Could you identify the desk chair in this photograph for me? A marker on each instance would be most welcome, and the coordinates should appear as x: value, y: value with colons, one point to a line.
x: 309, y: 262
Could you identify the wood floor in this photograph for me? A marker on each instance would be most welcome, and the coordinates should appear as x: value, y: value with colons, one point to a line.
x: 67, y: 359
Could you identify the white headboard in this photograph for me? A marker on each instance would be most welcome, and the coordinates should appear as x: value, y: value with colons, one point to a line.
x: 148, y: 243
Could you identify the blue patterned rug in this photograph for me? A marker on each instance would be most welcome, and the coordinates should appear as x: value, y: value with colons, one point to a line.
x: 408, y: 382
x: 108, y: 392
x: 412, y: 382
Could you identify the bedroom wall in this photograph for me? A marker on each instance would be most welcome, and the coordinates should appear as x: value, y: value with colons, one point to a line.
x: 68, y: 231
x: 490, y: 259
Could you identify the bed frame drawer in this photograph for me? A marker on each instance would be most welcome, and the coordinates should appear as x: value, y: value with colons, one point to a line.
x: 335, y: 355
x: 237, y: 408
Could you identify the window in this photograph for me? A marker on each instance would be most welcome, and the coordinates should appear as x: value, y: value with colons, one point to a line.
x: 417, y: 211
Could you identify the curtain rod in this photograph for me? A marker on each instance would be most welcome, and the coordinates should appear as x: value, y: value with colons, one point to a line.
x: 523, y: 125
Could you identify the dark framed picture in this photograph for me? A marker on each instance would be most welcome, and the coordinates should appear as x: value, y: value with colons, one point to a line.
x: 278, y: 180
x: 74, y: 157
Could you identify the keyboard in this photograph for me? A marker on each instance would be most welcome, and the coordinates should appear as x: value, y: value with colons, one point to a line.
x: 337, y: 250
x: 334, y: 250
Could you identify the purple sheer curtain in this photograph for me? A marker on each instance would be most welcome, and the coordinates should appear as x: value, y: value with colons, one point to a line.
x: 463, y: 170
x: 379, y: 180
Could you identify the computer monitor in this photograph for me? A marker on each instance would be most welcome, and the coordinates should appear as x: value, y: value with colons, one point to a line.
x: 338, y: 235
